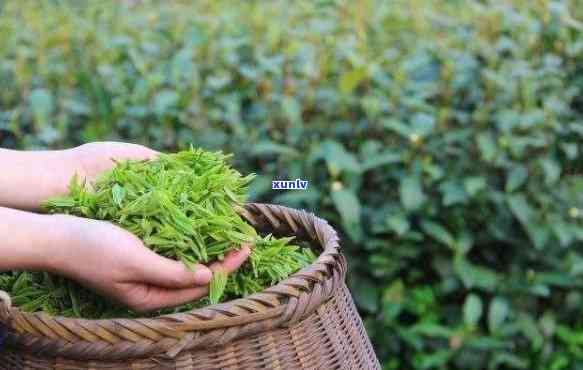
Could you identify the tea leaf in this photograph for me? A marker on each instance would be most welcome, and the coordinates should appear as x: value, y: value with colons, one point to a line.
x: 217, y: 286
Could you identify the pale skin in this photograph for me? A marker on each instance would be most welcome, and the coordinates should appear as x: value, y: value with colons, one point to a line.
x: 97, y: 254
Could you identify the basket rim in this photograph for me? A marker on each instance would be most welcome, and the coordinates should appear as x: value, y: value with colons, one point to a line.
x: 168, y: 335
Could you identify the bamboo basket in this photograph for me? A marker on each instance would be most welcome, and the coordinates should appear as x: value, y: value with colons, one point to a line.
x: 307, y: 321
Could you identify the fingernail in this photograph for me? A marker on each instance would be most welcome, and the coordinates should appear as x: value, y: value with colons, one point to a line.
x: 246, y: 248
x: 243, y: 251
x: 202, y: 275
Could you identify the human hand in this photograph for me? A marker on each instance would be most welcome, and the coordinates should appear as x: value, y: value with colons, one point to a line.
x: 115, y: 263
x: 89, y: 160
x: 30, y: 177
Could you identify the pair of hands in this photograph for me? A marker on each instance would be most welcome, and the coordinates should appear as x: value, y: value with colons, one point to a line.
x: 97, y: 254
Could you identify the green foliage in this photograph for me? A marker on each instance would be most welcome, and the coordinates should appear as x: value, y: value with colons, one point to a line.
x: 442, y: 138
x: 217, y: 286
x: 182, y: 206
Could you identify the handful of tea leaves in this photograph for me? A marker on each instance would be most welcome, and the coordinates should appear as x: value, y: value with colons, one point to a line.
x: 182, y: 207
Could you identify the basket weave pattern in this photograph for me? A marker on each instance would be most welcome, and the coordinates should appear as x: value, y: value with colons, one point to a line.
x: 307, y: 321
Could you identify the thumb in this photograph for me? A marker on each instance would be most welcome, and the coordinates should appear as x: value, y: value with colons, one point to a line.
x: 167, y: 273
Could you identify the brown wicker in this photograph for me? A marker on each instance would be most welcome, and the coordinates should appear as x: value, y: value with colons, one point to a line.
x: 307, y: 321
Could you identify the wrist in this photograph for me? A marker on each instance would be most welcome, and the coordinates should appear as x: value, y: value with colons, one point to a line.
x: 59, y: 239
x: 31, y: 241
x: 29, y: 178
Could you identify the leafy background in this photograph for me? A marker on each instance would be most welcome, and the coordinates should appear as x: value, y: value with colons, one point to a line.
x: 442, y: 138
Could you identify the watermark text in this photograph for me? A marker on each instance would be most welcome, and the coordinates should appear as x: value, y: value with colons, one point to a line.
x: 296, y: 184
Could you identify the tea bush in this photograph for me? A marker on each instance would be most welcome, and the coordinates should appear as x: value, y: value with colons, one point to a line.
x: 443, y: 139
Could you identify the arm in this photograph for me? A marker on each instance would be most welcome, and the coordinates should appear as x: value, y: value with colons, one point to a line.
x: 31, y: 177
x: 28, y: 178
x: 26, y: 240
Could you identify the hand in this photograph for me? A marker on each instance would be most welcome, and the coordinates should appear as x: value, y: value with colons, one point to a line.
x: 29, y: 178
x: 89, y: 160
x: 115, y: 263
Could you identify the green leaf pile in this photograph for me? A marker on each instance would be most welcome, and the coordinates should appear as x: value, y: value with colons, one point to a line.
x: 183, y: 206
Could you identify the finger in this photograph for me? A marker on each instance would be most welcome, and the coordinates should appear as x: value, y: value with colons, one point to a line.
x: 95, y: 158
x: 167, y: 273
x: 233, y: 260
x: 161, y: 296
x: 156, y: 298
x: 119, y: 151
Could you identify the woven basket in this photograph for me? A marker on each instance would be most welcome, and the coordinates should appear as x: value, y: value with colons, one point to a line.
x: 307, y: 321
